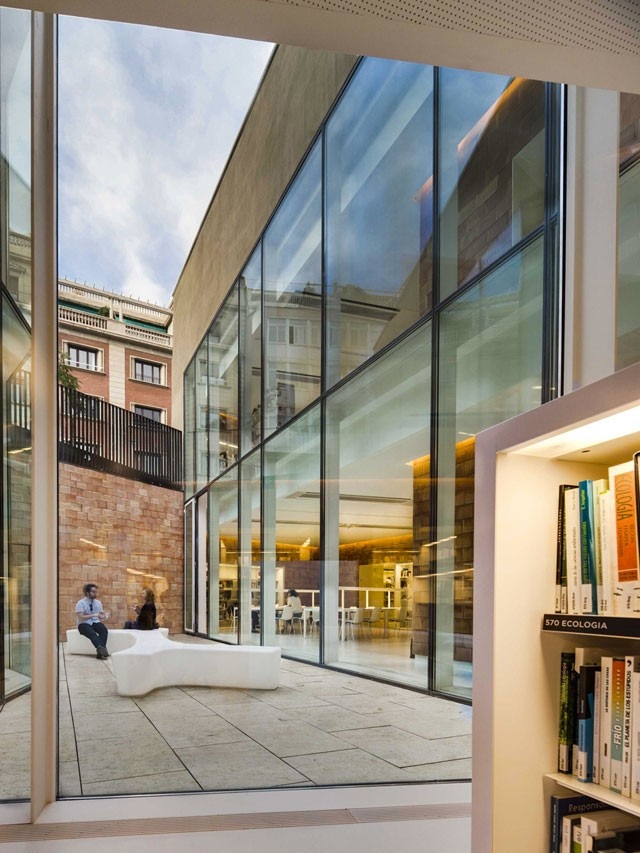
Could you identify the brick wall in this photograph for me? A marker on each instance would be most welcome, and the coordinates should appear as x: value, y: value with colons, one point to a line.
x: 123, y: 535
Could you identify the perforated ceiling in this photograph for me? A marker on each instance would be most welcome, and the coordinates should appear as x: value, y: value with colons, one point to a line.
x: 607, y: 26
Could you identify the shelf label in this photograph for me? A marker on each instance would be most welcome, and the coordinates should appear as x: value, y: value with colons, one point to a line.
x: 616, y: 626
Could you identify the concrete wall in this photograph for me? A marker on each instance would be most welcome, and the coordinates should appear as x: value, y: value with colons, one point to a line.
x: 290, y: 105
x: 122, y: 535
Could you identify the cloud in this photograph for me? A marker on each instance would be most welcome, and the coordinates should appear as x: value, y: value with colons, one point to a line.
x: 147, y: 118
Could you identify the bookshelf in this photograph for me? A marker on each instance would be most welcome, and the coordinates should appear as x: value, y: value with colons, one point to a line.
x: 519, y: 466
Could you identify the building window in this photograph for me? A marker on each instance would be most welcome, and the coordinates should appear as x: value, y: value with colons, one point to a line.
x: 147, y: 371
x: 148, y: 412
x: 83, y: 357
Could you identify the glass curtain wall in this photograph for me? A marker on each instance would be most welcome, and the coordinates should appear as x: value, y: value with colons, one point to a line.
x: 15, y: 266
x: 376, y: 514
x: 224, y: 558
x: 293, y: 298
x: 628, y: 309
x: 436, y: 243
x: 291, y: 525
x: 379, y: 245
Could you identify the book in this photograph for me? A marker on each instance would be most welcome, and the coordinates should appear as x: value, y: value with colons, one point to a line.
x: 569, y: 823
x: 596, y: 728
x: 561, y: 552
x: 607, y: 551
x: 598, y: 488
x: 626, y: 840
x: 565, y: 726
x: 635, y: 736
x: 597, y: 822
x: 576, y: 841
x: 588, y: 587
x: 617, y: 722
x: 586, y: 692
x: 626, y: 575
x: 604, y: 762
x: 572, y: 534
x: 631, y: 665
x: 564, y: 804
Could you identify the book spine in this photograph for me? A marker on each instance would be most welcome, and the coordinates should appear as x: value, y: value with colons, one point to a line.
x: 596, y: 728
x: 568, y: 822
x: 588, y: 589
x: 576, y: 841
x: 617, y: 723
x: 561, y: 554
x: 627, y: 576
x: 572, y: 527
x: 631, y: 665
x: 605, y: 721
x: 599, y: 487
x: 565, y: 730
x: 607, y: 540
x: 586, y: 690
x: 635, y: 736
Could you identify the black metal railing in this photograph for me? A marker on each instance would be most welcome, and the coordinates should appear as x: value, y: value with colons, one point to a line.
x: 104, y: 437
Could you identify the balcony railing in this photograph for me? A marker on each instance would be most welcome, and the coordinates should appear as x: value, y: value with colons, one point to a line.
x: 113, y: 326
x: 104, y: 437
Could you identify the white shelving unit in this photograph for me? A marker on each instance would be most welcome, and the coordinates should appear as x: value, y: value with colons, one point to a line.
x: 519, y: 466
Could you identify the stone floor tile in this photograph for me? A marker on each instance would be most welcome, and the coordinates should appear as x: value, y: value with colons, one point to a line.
x: 348, y: 767
x: 286, y: 737
x: 201, y: 731
x: 69, y: 779
x: 459, y: 768
x: 98, y: 726
x: 84, y: 705
x: 120, y: 758
x: 238, y: 765
x: 15, y: 716
x: 404, y: 749
x: 366, y: 704
x: 290, y: 699
x: 334, y: 719
x: 161, y: 783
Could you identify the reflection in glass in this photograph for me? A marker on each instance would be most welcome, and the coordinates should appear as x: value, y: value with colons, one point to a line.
x: 377, y: 436
x: 201, y: 450
x: 222, y: 412
x: 293, y: 297
x: 250, y: 294
x: 15, y: 270
x: 189, y: 568
x: 250, y: 550
x: 490, y: 370
x: 628, y: 309
x: 379, y: 211
x: 224, y: 559
x: 492, y: 169
x: 15, y: 148
x: 291, y: 523
x: 189, y: 429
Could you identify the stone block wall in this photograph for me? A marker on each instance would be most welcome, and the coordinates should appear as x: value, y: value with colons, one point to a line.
x: 123, y: 535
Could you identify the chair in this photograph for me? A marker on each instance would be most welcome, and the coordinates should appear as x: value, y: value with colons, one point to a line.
x: 400, y: 619
x: 299, y: 617
x: 373, y: 617
x: 355, y: 616
x: 285, y: 617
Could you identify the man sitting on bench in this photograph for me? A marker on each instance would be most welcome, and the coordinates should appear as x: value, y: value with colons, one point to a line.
x: 90, y: 614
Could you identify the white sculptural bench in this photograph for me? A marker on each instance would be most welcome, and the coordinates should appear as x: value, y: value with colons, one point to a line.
x: 146, y: 660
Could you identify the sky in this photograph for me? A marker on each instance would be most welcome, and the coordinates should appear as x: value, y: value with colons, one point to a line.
x: 147, y: 119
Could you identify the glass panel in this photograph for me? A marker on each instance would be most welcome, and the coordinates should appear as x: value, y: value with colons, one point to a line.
x: 492, y: 169
x: 379, y: 210
x: 201, y: 568
x: 222, y: 342
x: 376, y: 523
x: 293, y: 297
x: 224, y: 558
x: 189, y: 431
x: 628, y: 309
x: 189, y: 569
x: 15, y: 268
x: 15, y: 145
x: 201, y: 449
x: 250, y: 550
x: 250, y: 292
x: 291, y: 525
x: 490, y: 370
